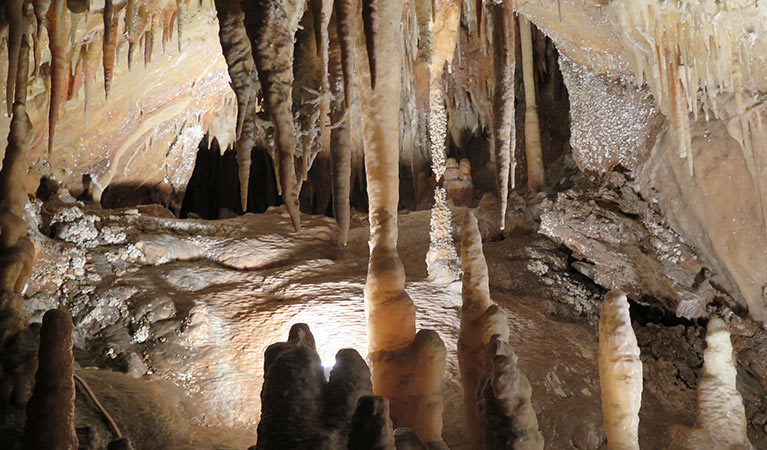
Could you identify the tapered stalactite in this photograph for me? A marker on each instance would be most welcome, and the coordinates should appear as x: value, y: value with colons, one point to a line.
x: 504, y: 131
x: 343, y: 10
x: 620, y: 373
x: 92, y: 60
x: 16, y: 250
x: 505, y: 406
x: 242, y: 70
x: 371, y: 28
x: 340, y: 135
x: 59, y: 26
x: 41, y: 8
x: 480, y: 320
x: 722, y: 422
x: 271, y: 26
x: 132, y: 27
x: 407, y: 368
x: 109, y: 47
x: 51, y: 409
x: 535, y: 173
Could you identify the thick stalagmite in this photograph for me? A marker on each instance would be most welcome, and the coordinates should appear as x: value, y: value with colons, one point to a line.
x: 504, y: 405
x: 242, y: 70
x: 271, y: 26
x: 371, y: 427
x: 620, y: 373
x: 16, y: 250
x: 51, y: 409
x: 481, y: 319
x: 721, y: 420
x: 504, y: 131
x: 535, y: 172
x: 397, y: 353
x: 340, y: 135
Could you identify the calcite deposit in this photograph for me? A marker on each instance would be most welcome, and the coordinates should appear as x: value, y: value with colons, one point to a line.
x: 233, y: 224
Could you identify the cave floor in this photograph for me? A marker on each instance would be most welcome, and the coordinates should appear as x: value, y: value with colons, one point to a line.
x: 172, y: 318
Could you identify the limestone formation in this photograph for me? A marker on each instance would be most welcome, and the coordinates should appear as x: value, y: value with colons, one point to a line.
x: 620, y: 373
x: 721, y: 420
x: 371, y: 426
x: 504, y: 405
x: 51, y: 410
x: 535, y: 173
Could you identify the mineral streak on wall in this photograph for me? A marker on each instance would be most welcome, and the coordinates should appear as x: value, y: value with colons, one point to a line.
x: 148, y: 129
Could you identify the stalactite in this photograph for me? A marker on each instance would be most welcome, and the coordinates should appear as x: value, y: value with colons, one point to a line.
x: 340, y: 135
x: 481, y: 319
x: 179, y: 22
x: 41, y: 8
x: 344, y: 10
x: 721, y: 419
x: 51, y: 410
x: 76, y: 74
x: 59, y: 26
x: 370, y: 23
x: 108, y: 52
x: 620, y: 373
x: 239, y: 59
x: 535, y: 172
x: 505, y: 405
x: 504, y: 130
x: 14, y: 11
x: 396, y: 351
x: 149, y: 40
x: 132, y: 18
x: 271, y: 28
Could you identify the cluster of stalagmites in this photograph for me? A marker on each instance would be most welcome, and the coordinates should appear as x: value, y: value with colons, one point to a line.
x: 303, y: 410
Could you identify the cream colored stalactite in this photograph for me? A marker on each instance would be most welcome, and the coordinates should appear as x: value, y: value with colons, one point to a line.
x: 535, y: 173
x: 406, y: 367
x: 340, y: 135
x: 344, y: 11
x: 620, y: 373
x: 92, y: 60
x: 480, y: 320
x: 109, y: 46
x: 14, y: 13
x: 271, y: 26
x: 721, y: 420
x: 59, y: 31
x: 504, y: 130
x: 505, y: 402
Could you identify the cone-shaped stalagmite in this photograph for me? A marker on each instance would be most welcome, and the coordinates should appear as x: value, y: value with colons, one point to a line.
x: 504, y: 405
x: 721, y: 420
x: 535, y: 173
x: 340, y: 135
x: 51, y: 410
x: 371, y: 427
x: 480, y: 320
x: 242, y: 70
x: 504, y: 131
x: 397, y: 353
x: 271, y: 26
x: 620, y: 373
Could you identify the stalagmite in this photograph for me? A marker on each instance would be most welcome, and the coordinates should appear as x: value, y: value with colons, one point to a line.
x: 14, y: 13
x: 371, y: 426
x: 504, y: 130
x: 16, y: 250
x: 480, y: 320
x: 407, y: 368
x: 109, y: 47
x: 620, y: 373
x: 51, y: 410
x: 721, y: 420
x: 340, y: 135
x: 506, y: 411
x: 343, y: 9
x: 535, y: 173
x: 300, y: 410
x: 271, y: 27
x: 242, y: 70
x: 59, y: 23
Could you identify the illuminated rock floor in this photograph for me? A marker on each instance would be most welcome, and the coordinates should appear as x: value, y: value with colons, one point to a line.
x: 186, y: 308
